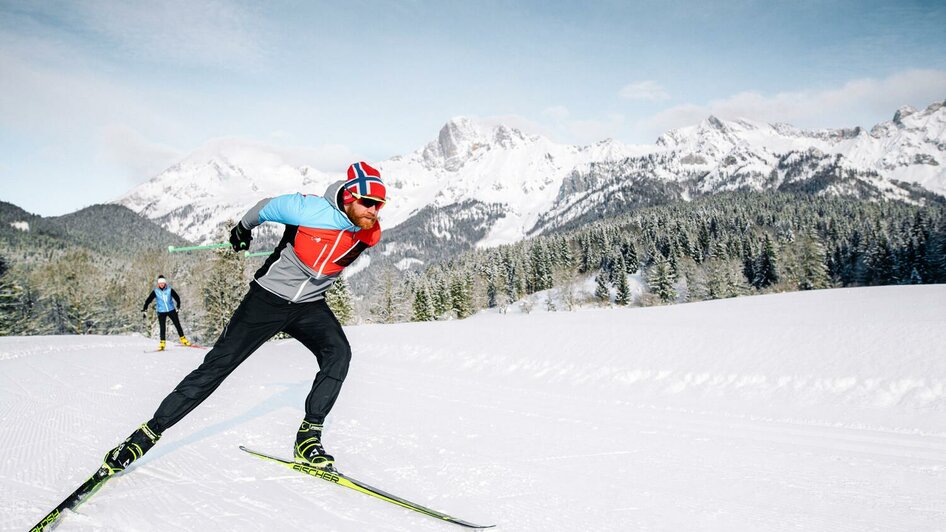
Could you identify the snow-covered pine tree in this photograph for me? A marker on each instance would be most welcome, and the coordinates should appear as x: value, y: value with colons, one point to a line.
x: 584, y: 252
x: 392, y: 306
x: 461, y: 296
x: 748, y: 261
x: 629, y: 253
x: 540, y: 267
x: 492, y: 292
x: 724, y: 279
x: 11, y: 304
x: 703, y: 241
x: 661, y: 281
x: 766, y: 265
x: 934, y: 256
x: 222, y: 292
x: 339, y: 300
x: 439, y: 296
x: 564, y: 258
x: 515, y: 286
x: 881, y: 263
x: 422, y: 307
x: 623, y: 296
x: 602, y: 287
x: 71, y: 294
x: 20, y: 305
x: 812, y: 272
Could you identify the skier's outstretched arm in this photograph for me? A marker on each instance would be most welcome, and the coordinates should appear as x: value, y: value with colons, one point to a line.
x: 148, y: 301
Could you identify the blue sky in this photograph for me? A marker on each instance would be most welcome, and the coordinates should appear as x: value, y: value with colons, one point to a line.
x: 96, y: 96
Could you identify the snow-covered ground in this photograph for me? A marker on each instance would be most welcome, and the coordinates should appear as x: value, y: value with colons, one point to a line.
x: 807, y: 411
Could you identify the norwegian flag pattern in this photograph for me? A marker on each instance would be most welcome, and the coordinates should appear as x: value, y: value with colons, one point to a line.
x: 364, y: 180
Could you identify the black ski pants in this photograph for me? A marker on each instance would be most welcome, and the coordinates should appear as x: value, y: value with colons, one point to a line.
x: 162, y: 323
x: 261, y: 315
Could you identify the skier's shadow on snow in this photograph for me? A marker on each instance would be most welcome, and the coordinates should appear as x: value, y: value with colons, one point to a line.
x: 291, y: 395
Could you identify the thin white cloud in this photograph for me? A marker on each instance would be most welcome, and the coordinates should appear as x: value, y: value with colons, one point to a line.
x: 559, y: 128
x: 249, y: 153
x: 60, y: 101
x: 648, y: 90
x: 523, y: 124
x: 136, y: 157
x: 860, y: 102
x: 329, y: 158
x: 593, y: 130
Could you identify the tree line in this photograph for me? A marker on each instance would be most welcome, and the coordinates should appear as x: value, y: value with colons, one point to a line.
x: 718, y: 246
x: 75, y: 290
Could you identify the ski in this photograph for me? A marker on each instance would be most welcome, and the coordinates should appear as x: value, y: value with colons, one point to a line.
x: 335, y: 477
x: 86, y: 490
x: 175, y: 345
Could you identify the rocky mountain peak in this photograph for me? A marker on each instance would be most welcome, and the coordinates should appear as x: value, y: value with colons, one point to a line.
x: 462, y: 139
x: 933, y: 107
x: 472, y: 159
x: 712, y: 122
x: 902, y: 113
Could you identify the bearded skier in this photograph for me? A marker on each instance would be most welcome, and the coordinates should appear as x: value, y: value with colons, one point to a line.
x: 323, y: 235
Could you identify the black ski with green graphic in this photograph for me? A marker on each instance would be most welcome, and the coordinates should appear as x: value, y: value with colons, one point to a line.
x: 86, y: 490
x: 333, y: 476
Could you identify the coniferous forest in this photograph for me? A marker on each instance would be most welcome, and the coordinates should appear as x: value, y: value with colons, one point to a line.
x: 726, y: 245
x: 53, y: 281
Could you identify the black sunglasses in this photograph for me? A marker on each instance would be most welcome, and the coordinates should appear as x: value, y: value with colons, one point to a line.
x: 370, y: 202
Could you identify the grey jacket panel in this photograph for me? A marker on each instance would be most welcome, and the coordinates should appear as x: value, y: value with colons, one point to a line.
x: 251, y: 218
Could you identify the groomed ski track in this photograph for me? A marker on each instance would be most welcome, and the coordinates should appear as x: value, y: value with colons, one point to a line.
x: 807, y: 411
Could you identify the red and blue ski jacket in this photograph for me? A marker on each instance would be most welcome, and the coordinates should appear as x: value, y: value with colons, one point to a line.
x: 318, y: 243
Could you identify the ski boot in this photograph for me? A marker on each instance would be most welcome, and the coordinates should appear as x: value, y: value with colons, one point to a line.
x: 133, y: 448
x: 185, y: 341
x: 161, y: 346
x: 309, y: 450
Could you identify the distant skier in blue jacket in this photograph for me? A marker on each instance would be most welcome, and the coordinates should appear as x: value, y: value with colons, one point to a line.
x: 167, y: 302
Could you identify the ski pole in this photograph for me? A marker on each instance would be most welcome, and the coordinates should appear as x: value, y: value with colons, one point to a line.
x: 174, y: 249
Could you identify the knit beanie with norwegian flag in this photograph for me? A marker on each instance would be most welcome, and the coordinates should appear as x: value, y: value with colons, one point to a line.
x: 363, y: 182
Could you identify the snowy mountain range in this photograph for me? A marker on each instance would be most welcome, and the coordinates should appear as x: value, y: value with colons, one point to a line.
x: 487, y: 184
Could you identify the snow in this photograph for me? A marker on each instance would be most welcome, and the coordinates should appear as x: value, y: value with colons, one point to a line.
x: 804, y: 411
x: 20, y: 226
x: 404, y: 264
x: 493, y: 163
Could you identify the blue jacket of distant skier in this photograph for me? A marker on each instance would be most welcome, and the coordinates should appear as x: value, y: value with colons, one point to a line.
x: 165, y: 300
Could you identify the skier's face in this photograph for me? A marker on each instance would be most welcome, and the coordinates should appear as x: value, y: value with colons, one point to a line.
x: 162, y: 285
x: 362, y: 216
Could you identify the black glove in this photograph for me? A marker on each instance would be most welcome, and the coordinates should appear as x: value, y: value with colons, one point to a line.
x: 240, y: 237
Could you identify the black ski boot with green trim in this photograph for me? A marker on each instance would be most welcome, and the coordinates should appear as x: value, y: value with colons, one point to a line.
x: 308, y: 448
x: 133, y: 448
